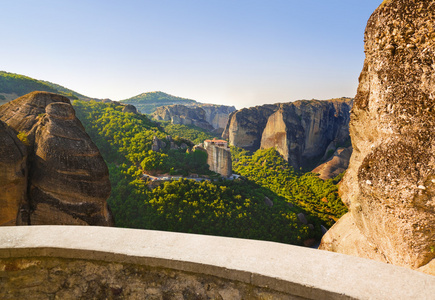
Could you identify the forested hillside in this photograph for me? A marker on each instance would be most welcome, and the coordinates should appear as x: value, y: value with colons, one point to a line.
x: 191, y: 132
x: 148, y: 102
x: 240, y: 208
x: 268, y: 169
x: 15, y: 85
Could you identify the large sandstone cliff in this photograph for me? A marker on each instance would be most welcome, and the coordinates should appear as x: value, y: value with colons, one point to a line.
x: 390, y: 184
x: 207, y: 116
x: 54, y: 174
x: 13, y: 175
x: 217, y: 115
x: 301, y: 131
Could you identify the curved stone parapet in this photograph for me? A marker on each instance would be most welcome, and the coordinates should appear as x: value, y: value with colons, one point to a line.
x: 114, y: 263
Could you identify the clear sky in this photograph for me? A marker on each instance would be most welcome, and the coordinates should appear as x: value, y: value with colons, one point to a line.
x: 233, y: 52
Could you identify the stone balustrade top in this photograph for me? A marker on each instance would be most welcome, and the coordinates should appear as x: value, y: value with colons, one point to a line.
x: 299, y: 271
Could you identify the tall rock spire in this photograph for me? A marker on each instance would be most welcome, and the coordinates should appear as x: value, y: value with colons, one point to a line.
x: 389, y: 186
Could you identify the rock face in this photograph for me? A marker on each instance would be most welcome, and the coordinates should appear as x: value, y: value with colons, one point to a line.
x: 180, y: 114
x: 335, y: 165
x: 207, y: 116
x: 217, y: 115
x: 219, y: 157
x: 129, y: 108
x: 390, y: 184
x: 245, y: 127
x: 301, y: 131
x: 13, y: 175
x: 67, y: 180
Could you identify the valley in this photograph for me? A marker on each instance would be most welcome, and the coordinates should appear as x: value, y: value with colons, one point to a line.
x: 181, y: 158
x: 270, y: 201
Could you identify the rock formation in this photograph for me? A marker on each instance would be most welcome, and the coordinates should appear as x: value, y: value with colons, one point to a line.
x: 301, y: 131
x: 207, y: 116
x: 219, y: 157
x: 128, y: 108
x: 68, y: 181
x: 245, y: 126
x: 13, y: 175
x: 389, y: 186
x: 158, y: 144
x: 217, y: 115
x: 181, y: 114
x: 335, y: 165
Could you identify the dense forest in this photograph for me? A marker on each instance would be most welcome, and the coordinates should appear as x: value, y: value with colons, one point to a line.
x: 190, y: 132
x: 267, y: 168
x: 245, y: 207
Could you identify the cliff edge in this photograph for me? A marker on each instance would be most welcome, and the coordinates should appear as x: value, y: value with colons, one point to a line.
x: 389, y: 186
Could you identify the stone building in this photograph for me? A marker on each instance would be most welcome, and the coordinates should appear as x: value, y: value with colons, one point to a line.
x: 219, y: 156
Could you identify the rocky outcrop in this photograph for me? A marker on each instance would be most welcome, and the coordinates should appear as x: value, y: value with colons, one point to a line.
x: 219, y: 157
x: 13, y: 175
x: 128, y: 108
x: 68, y: 181
x: 207, y: 116
x: 301, y: 131
x: 335, y: 165
x: 180, y: 114
x: 389, y: 186
x: 245, y: 126
x: 158, y: 144
x: 217, y: 115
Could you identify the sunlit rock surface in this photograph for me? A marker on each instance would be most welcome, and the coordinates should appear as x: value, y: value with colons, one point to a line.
x: 390, y: 184
x: 300, y: 131
x: 206, y: 116
x: 13, y: 175
x: 67, y: 179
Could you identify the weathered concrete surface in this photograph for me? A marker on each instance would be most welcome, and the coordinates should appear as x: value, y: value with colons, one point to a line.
x: 185, y: 263
x: 56, y: 278
x: 389, y: 186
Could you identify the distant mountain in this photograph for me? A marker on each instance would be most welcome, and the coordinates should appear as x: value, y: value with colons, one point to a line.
x: 14, y: 85
x: 147, y: 103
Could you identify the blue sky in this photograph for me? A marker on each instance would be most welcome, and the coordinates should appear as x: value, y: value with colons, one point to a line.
x: 233, y: 52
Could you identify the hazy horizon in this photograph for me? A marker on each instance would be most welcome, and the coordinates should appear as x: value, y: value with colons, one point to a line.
x: 243, y: 53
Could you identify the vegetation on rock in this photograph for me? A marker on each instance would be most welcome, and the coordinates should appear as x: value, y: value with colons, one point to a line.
x: 268, y: 169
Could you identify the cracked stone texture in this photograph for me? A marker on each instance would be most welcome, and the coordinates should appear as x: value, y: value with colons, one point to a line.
x: 389, y: 186
x: 56, y: 278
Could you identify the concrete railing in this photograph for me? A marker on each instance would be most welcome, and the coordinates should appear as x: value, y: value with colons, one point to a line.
x: 115, y: 263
